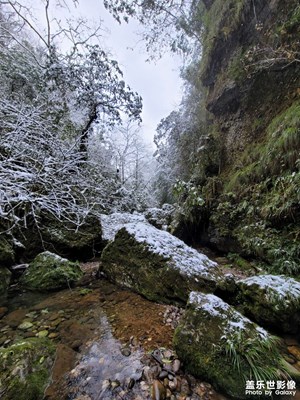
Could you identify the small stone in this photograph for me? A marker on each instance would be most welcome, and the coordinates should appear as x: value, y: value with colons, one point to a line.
x: 56, y: 322
x: 24, y: 326
x: 53, y: 335
x: 163, y: 374
x: 126, y: 351
x: 42, y: 334
x: 115, y: 384
x: 158, y: 391
x: 144, y: 386
x: 172, y: 385
x: 131, y: 383
x: 176, y: 365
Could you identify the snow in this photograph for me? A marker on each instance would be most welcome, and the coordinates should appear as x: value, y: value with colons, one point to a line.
x: 180, y: 256
x: 112, y: 223
x: 276, y: 287
x: 210, y: 303
x: 232, y: 320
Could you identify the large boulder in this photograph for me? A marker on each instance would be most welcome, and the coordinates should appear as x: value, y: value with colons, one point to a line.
x: 75, y: 242
x: 49, y: 271
x: 25, y: 369
x: 272, y: 300
x: 157, y: 264
x: 112, y: 223
x: 220, y: 345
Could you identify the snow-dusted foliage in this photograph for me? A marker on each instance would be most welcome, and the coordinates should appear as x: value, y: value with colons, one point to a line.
x: 50, y: 103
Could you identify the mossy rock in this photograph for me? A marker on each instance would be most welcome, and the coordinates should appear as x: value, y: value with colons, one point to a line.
x: 157, y: 265
x: 49, y: 271
x: 7, y: 256
x: 25, y: 369
x: 220, y: 345
x: 75, y: 243
x: 5, y: 276
x: 272, y: 300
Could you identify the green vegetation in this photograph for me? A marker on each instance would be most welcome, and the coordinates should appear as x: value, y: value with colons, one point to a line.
x: 25, y: 369
x: 244, y: 353
x: 49, y: 271
x: 259, y: 206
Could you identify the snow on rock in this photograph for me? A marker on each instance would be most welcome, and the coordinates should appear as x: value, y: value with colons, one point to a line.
x: 160, y: 217
x: 273, y: 300
x: 157, y: 264
x: 213, y: 340
x: 112, y: 223
x: 180, y: 256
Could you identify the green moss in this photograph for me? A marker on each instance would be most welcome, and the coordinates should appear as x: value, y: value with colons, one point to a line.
x: 7, y: 256
x: 221, y: 346
x: 131, y: 264
x: 25, y: 369
x: 49, y: 271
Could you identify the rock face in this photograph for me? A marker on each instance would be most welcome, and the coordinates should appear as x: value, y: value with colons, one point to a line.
x: 272, y: 300
x: 157, y: 265
x: 77, y: 244
x: 49, y: 271
x: 7, y: 256
x: 219, y: 344
x: 25, y: 369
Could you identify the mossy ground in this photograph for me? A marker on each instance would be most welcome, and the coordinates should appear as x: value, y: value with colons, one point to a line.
x: 25, y: 369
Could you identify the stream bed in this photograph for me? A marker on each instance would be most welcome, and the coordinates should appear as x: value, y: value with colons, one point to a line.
x: 110, y: 343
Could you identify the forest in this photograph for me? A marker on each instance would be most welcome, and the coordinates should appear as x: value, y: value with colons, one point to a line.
x: 134, y: 273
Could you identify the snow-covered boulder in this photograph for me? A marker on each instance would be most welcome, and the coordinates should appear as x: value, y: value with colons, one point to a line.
x: 273, y: 300
x: 49, y: 271
x: 160, y: 217
x: 220, y: 345
x: 157, y: 264
x: 112, y: 223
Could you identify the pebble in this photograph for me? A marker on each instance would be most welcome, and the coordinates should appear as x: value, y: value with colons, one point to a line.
x: 24, y: 326
x: 176, y: 365
x: 42, y: 334
x: 126, y: 351
x: 158, y: 391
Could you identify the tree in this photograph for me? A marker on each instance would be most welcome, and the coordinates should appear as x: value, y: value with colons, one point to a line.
x: 171, y: 24
x: 50, y: 103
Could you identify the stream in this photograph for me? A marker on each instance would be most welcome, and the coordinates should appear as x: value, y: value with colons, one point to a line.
x: 111, y: 343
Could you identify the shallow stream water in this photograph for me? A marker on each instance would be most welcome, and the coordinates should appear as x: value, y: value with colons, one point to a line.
x: 105, y: 338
